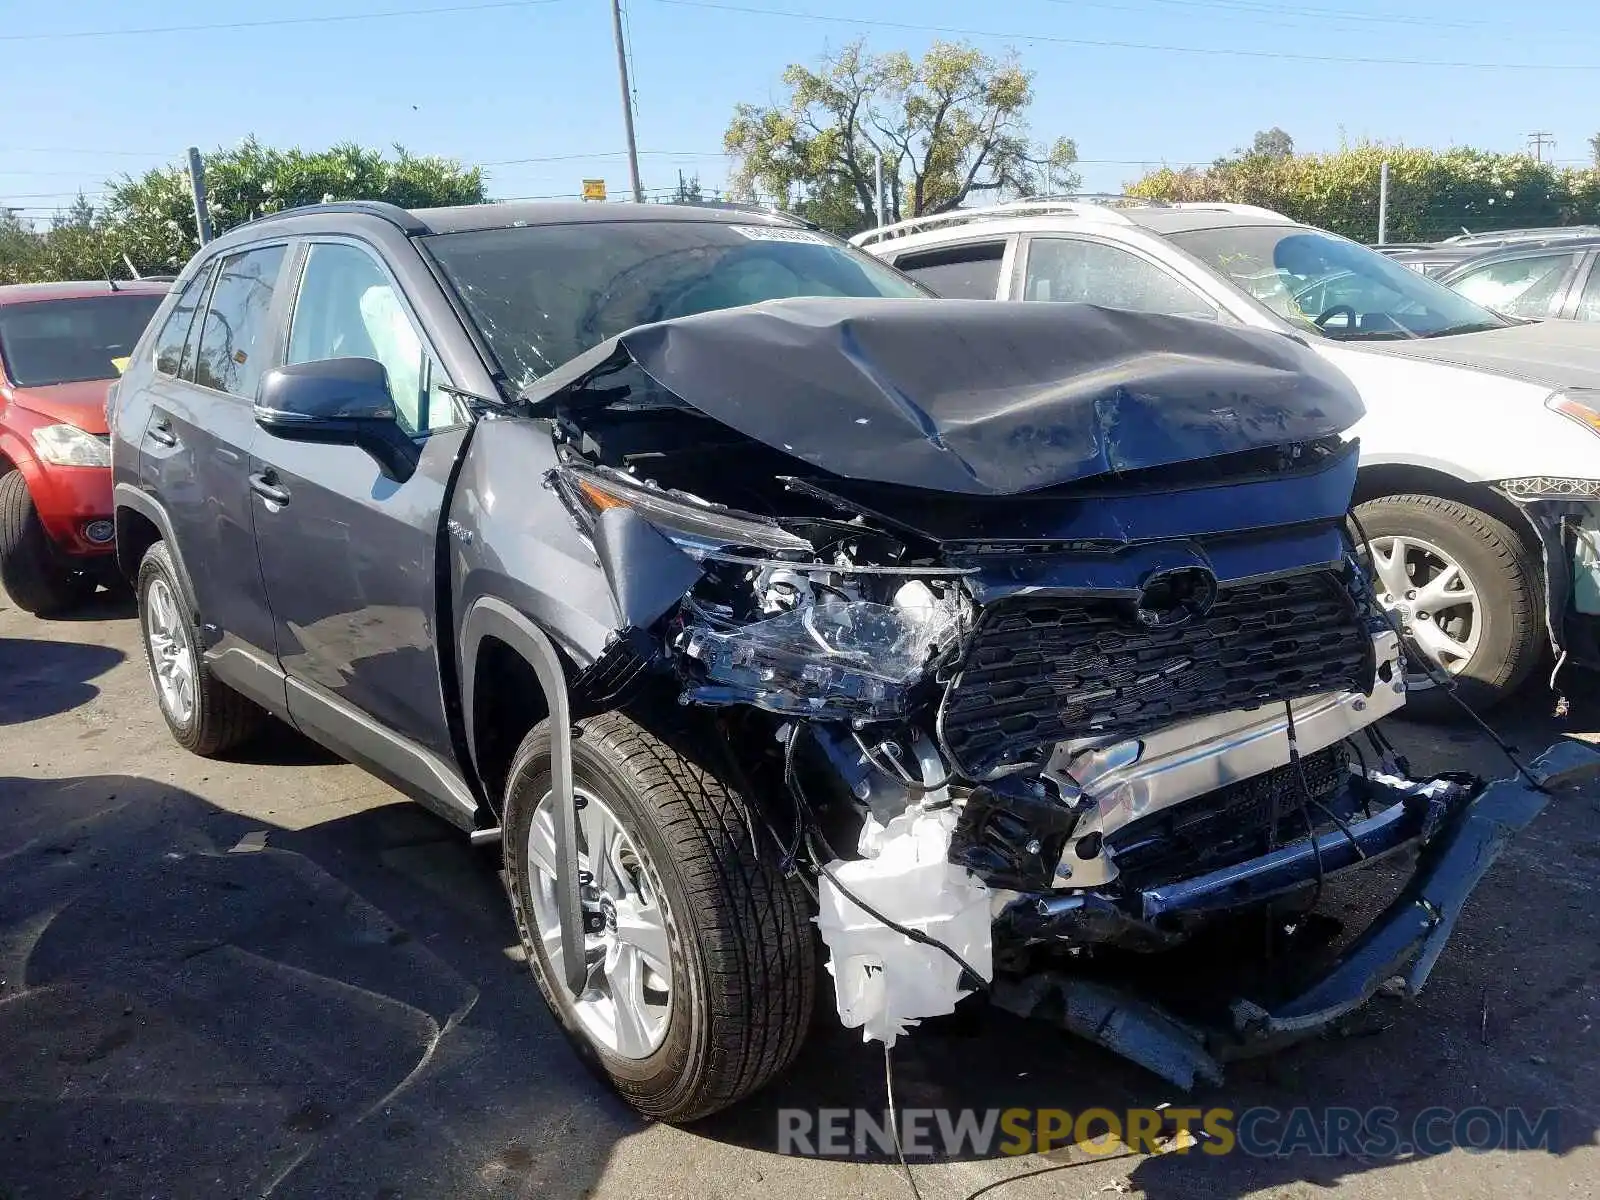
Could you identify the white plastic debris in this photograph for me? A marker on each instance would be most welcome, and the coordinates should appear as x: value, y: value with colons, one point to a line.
x: 884, y: 983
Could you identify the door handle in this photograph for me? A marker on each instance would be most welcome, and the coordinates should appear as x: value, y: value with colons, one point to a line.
x: 161, y: 431
x: 265, y: 485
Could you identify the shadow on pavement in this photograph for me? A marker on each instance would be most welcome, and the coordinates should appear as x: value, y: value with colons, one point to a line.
x: 40, y: 678
x: 185, y: 1012
x: 107, y: 604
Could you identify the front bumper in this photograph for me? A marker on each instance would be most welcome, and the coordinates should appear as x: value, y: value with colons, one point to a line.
x: 1459, y: 835
x: 69, y: 500
x: 1565, y: 518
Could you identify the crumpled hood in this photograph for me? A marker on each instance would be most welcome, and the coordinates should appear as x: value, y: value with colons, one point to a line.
x: 1552, y: 354
x: 974, y: 396
x: 80, y: 404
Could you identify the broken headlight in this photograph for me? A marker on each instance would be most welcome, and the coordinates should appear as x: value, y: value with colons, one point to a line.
x: 695, y: 526
x: 840, y: 658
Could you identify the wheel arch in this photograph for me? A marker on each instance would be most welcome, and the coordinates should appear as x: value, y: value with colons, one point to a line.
x: 1398, y: 478
x: 141, y: 521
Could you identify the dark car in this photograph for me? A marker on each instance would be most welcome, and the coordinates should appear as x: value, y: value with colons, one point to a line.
x: 726, y: 581
x: 1538, y: 281
x: 59, y: 345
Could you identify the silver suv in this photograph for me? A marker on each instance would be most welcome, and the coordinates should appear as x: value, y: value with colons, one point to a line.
x: 1480, y: 465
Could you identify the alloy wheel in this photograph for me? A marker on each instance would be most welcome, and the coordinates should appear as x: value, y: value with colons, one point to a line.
x: 171, y: 656
x: 626, y: 1001
x: 1432, y: 599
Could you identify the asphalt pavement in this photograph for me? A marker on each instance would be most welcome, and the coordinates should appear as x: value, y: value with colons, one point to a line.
x: 272, y: 976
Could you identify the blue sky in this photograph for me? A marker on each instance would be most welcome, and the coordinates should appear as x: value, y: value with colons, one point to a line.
x: 522, y: 80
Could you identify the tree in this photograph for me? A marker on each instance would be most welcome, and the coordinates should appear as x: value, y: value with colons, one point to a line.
x: 943, y: 127
x: 1594, y: 150
x: 152, y: 217
x: 688, y: 191
x: 19, y: 249
x: 1272, y: 143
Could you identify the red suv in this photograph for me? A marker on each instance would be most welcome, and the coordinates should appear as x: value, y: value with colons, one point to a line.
x: 58, y: 346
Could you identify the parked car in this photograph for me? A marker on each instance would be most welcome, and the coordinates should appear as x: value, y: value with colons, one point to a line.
x: 1434, y: 259
x: 667, y: 549
x: 1535, y: 281
x: 1480, y: 456
x: 57, y: 346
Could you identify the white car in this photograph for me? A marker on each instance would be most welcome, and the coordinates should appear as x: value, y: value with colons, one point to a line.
x: 1480, y: 450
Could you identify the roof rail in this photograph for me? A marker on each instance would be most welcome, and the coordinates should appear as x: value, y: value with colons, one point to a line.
x: 962, y: 216
x: 407, y: 222
x: 764, y: 210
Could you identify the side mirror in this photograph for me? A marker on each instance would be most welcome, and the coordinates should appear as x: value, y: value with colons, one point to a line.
x: 338, y: 401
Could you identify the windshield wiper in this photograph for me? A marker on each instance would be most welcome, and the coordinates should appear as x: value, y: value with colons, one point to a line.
x: 1473, y: 327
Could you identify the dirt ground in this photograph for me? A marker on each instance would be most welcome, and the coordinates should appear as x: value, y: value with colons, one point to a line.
x: 273, y: 976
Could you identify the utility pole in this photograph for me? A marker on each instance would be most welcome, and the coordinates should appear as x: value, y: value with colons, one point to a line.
x: 1383, y: 202
x: 879, y: 192
x: 627, y: 101
x: 1539, y: 141
x: 197, y: 182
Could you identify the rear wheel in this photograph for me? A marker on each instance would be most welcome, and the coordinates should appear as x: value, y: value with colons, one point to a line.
x: 205, y: 715
x: 1465, y: 592
x: 35, y: 577
x: 700, y: 960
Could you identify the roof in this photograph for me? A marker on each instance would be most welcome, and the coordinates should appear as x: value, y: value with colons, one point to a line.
x: 467, y: 218
x: 28, y: 293
x: 504, y: 215
x: 1157, y: 216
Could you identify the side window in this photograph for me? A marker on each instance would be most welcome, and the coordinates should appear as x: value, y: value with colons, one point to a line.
x: 174, y: 335
x: 233, y: 340
x: 348, y: 308
x: 1075, y: 270
x: 1520, y: 287
x: 1589, y: 306
x: 959, y: 272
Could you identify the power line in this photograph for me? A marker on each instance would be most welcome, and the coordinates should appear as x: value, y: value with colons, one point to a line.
x: 1287, y: 56
x: 272, y: 21
x: 1275, y: 10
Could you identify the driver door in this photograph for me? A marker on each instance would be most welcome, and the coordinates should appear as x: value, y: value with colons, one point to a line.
x: 350, y: 553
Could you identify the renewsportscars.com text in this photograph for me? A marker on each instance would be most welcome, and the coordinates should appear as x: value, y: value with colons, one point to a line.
x: 1259, y: 1132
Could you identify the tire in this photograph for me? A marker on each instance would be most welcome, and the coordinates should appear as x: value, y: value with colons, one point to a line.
x: 32, y: 572
x: 1505, y: 577
x: 217, y: 717
x: 744, y: 966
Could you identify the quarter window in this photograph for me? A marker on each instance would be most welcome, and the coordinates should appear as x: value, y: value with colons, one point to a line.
x: 1079, y: 271
x: 958, y: 273
x: 233, y: 341
x: 348, y: 308
x: 174, y: 336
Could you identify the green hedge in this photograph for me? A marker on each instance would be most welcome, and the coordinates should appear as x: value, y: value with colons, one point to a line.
x: 1432, y: 194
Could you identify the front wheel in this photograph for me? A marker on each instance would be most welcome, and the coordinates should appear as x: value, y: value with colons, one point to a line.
x: 700, y: 967
x: 32, y: 572
x: 1464, y: 591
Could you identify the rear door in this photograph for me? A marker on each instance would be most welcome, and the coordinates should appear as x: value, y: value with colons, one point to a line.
x: 350, y: 554
x: 1066, y: 269
x: 196, y: 447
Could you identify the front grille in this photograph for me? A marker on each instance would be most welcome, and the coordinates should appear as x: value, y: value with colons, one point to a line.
x: 1230, y: 825
x: 1038, y: 671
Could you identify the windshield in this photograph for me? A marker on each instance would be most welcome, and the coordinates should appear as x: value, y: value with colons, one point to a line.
x: 1328, y: 285
x: 70, y: 341
x: 543, y: 294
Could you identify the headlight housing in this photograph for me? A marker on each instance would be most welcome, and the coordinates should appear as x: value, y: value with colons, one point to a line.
x: 69, y: 446
x: 1577, y: 404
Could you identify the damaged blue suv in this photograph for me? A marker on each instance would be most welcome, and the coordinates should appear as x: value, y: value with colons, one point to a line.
x: 760, y: 607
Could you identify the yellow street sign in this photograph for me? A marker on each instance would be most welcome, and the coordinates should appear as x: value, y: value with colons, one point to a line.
x: 594, y: 189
